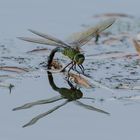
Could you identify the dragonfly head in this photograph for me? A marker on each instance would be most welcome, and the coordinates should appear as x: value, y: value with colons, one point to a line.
x: 79, y: 58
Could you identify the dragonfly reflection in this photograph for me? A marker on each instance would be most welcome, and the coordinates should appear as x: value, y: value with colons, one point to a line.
x: 71, y: 49
x: 71, y: 94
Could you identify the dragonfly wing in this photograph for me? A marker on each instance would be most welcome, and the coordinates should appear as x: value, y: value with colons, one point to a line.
x: 38, y: 117
x: 39, y: 102
x: 40, y: 41
x: 49, y: 37
x: 91, y: 107
x: 82, y: 38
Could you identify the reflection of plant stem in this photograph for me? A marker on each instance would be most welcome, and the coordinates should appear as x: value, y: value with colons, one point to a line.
x: 97, y: 38
x: 6, y: 85
x: 10, y: 87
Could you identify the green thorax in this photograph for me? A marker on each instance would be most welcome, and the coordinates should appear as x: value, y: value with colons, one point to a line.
x: 70, y: 52
x: 70, y: 94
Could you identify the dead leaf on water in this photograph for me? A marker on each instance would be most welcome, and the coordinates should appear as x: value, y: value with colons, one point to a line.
x: 4, y: 77
x: 137, y: 45
x: 56, y: 65
x: 14, y: 69
x: 122, y: 15
x: 80, y: 80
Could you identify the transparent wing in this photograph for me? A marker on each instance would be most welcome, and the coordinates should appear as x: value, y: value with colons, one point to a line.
x: 91, y: 107
x: 81, y: 38
x: 40, y: 102
x: 40, y: 41
x: 38, y: 117
x: 49, y: 37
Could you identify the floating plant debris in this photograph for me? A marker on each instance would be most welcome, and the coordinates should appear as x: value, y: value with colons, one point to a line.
x: 13, y: 69
x: 4, y: 77
x: 137, y: 46
x: 79, y: 80
x: 114, y: 15
x: 56, y: 65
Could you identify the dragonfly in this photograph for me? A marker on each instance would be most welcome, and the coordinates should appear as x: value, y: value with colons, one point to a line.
x: 71, y: 49
x: 71, y: 94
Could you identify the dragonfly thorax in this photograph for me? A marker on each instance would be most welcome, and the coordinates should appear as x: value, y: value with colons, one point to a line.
x: 79, y: 58
x: 74, y: 55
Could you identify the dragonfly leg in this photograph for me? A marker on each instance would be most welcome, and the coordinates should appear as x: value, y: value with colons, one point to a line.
x: 82, y: 68
x: 70, y: 84
x: 66, y: 66
x: 70, y: 69
x: 74, y: 68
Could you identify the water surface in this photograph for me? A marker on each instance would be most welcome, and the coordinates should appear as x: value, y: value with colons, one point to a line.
x: 61, y: 18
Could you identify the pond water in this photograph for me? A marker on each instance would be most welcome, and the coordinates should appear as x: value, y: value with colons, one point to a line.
x: 98, y: 113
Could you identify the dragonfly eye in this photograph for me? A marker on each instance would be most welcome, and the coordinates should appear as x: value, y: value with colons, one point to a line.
x: 79, y: 58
